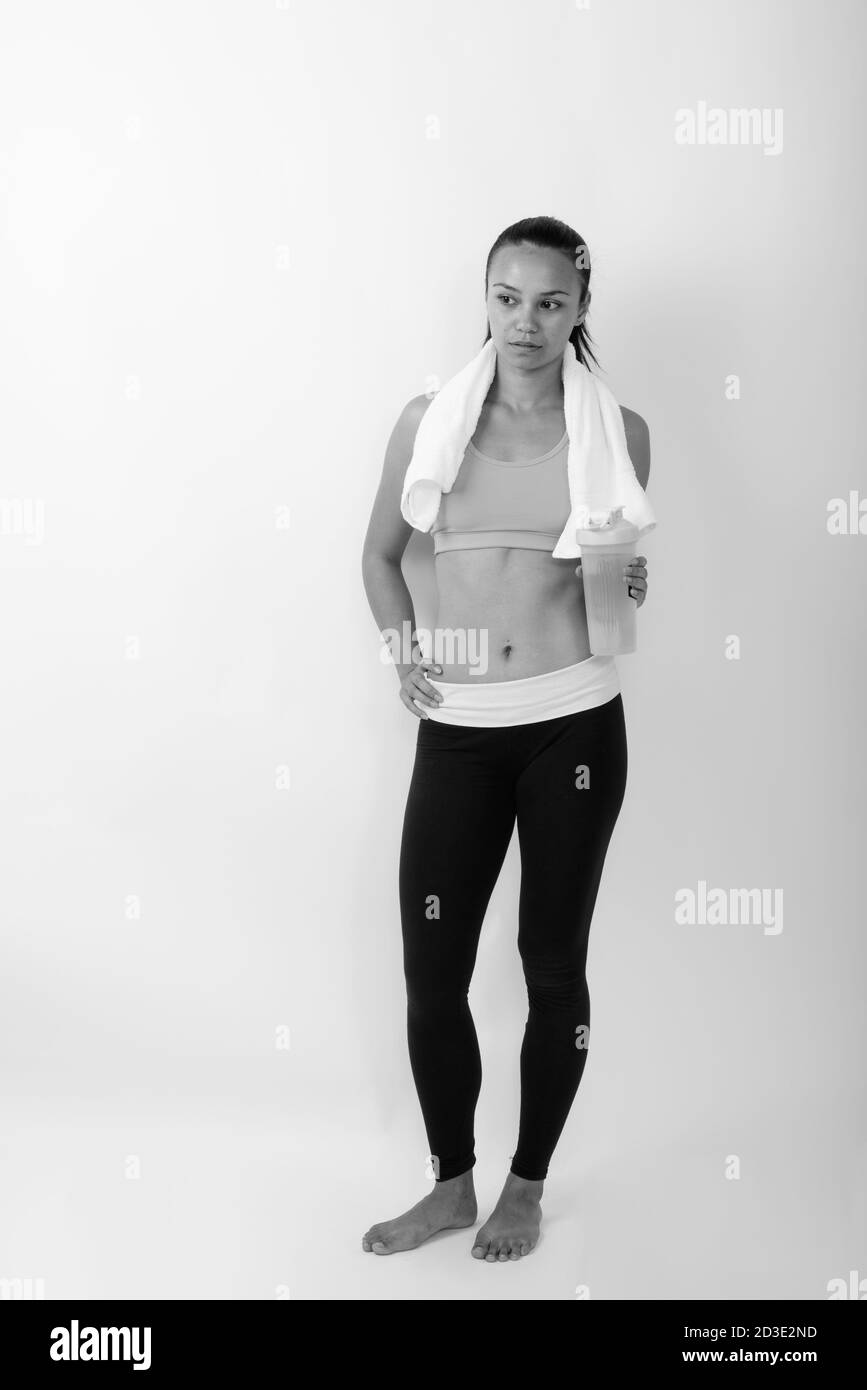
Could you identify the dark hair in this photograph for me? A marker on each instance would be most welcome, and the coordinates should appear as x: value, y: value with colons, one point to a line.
x: 557, y: 236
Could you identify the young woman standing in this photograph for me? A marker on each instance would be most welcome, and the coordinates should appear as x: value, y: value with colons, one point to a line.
x: 501, y: 746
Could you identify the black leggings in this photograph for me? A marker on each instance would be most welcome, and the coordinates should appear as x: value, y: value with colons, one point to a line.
x: 468, y: 787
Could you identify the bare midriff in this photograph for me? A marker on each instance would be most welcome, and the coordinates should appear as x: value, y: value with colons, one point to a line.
x: 503, y: 614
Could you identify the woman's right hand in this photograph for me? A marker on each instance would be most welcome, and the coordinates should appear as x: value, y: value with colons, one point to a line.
x: 416, y: 692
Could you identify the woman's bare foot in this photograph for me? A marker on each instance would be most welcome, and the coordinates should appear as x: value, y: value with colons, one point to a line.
x: 512, y: 1229
x: 450, y: 1206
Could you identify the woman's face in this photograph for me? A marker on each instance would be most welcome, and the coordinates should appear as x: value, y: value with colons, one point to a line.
x: 533, y: 298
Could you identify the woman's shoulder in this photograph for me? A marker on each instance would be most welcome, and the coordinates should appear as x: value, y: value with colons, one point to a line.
x: 414, y: 410
x: 402, y: 441
x: 632, y: 420
x: 637, y: 442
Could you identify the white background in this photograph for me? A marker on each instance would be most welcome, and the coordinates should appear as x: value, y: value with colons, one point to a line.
x: 238, y: 237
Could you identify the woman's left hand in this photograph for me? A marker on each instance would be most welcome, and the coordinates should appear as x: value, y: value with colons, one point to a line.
x: 635, y: 575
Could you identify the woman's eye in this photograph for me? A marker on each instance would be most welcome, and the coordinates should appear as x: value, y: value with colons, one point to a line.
x: 507, y: 298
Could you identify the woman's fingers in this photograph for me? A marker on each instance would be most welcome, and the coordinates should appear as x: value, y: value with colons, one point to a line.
x: 637, y: 589
x: 421, y: 690
x: 635, y: 573
x: 425, y: 689
x: 413, y: 708
x: 635, y: 578
x: 417, y: 693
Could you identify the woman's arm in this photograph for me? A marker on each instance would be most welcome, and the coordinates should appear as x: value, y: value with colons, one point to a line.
x: 388, y: 533
x: 637, y: 444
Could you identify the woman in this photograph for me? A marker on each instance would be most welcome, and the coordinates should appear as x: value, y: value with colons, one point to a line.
x: 494, y: 745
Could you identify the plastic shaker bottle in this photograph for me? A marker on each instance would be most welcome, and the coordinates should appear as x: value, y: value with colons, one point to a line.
x: 611, y: 613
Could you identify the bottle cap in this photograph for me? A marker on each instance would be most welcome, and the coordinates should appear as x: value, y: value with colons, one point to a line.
x: 607, y: 527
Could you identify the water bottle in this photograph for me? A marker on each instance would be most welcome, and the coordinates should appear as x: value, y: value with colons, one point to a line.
x: 611, y: 613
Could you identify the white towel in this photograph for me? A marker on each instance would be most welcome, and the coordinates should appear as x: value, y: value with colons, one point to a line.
x: 600, y: 472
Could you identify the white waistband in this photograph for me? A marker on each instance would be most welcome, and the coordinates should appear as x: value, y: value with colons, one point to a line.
x: 591, y: 682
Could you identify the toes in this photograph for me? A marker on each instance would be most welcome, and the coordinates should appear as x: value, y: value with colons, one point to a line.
x: 369, y: 1237
x: 499, y: 1251
x: 382, y: 1247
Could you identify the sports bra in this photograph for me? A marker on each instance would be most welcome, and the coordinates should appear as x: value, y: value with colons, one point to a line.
x: 524, y: 506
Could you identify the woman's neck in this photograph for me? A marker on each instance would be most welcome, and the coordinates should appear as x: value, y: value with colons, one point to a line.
x: 524, y: 392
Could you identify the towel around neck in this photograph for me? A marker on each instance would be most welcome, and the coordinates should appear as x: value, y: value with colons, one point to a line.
x: 600, y: 472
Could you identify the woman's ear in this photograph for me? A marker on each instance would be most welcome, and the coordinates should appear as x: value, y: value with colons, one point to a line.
x: 582, y: 312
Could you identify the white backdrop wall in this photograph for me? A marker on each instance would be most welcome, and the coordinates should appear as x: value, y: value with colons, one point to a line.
x: 238, y: 238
